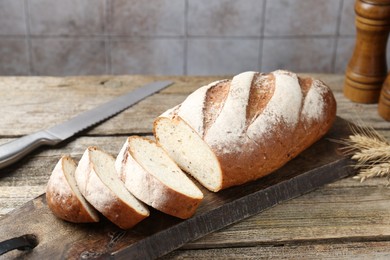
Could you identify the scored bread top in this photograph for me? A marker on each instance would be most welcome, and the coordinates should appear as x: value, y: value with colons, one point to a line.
x: 257, y: 102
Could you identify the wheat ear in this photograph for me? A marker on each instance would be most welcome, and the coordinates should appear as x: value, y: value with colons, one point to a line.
x: 370, y: 150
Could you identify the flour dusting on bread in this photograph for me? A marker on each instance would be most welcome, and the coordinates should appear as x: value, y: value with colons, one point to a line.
x: 227, y: 131
x: 313, y: 107
x: 283, y: 107
x: 192, y: 108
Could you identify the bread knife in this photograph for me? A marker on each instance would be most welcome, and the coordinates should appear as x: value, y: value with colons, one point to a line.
x: 14, y: 150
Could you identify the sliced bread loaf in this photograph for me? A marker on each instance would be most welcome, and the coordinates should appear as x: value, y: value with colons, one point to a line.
x: 154, y: 178
x: 63, y: 196
x: 98, y: 182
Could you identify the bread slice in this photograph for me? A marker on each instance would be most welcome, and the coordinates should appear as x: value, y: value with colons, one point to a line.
x: 189, y: 151
x: 63, y: 196
x: 98, y: 182
x: 154, y: 178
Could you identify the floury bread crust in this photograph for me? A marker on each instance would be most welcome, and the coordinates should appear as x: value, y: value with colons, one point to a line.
x: 63, y: 197
x: 154, y: 178
x: 234, y: 131
x: 99, y: 183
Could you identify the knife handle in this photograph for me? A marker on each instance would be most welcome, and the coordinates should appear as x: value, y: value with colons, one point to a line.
x: 24, y: 243
x: 15, y: 150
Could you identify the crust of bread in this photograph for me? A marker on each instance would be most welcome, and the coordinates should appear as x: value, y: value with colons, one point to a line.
x: 152, y: 191
x: 254, y: 153
x: 280, y: 145
x: 102, y: 197
x: 62, y: 200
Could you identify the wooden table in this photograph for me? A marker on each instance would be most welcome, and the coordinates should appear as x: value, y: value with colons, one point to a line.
x: 344, y: 219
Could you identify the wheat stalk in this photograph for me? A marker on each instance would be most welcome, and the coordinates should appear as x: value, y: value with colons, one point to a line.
x: 378, y: 170
x: 370, y: 150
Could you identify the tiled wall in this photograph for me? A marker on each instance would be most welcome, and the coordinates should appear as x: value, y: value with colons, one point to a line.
x: 191, y: 37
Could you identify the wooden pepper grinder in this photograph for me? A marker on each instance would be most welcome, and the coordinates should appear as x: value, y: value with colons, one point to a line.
x: 384, y: 100
x: 367, y: 68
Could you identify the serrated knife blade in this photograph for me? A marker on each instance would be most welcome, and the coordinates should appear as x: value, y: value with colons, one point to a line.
x: 13, y: 151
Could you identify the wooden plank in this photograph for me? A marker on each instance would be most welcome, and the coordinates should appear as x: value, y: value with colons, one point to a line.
x: 328, y: 214
x: 302, y: 250
x: 38, y: 103
x: 160, y: 233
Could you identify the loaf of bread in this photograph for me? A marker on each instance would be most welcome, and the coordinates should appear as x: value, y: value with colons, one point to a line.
x: 234, y: 131
x: 63, y: 196
x: 154, y: 178
x: 99, y: 183
x: 224, y: 134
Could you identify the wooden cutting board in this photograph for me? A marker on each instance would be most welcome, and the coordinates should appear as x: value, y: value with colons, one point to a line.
x: 159, y: 234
